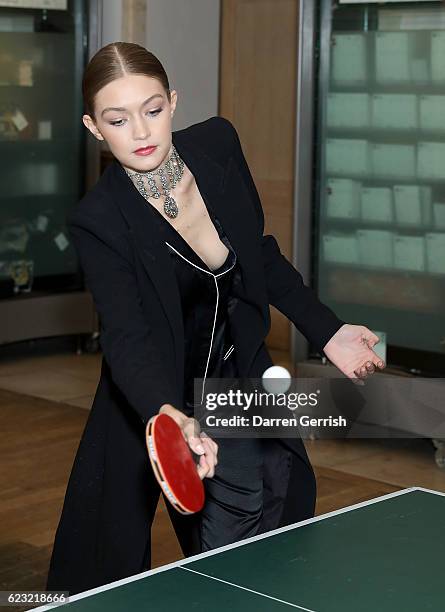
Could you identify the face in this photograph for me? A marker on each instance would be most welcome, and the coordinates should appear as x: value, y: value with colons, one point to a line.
x: 133, y: 112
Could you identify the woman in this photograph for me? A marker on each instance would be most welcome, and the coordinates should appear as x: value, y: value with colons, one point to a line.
x: 171, y: 243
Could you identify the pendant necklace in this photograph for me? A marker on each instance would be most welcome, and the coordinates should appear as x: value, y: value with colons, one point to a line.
x: 170, y: 173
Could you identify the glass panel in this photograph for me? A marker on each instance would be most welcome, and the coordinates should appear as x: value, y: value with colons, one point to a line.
x: 41, y: 144
x: 381, y: 169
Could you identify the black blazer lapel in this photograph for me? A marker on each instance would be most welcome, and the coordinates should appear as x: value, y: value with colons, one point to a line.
x: 152, y: 252
x: 224, y: 192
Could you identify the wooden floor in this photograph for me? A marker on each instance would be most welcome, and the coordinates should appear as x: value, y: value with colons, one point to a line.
x: 44, y: 403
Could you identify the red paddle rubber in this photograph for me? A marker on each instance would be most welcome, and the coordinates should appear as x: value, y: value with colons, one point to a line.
x: 173, y: 465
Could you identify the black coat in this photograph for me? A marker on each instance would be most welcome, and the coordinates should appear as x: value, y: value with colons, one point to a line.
x: 111, y: 495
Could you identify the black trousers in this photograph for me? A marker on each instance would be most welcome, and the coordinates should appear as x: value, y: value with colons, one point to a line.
x: 258, y: 485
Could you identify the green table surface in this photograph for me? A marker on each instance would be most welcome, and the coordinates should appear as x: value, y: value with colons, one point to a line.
x: 383, y: 556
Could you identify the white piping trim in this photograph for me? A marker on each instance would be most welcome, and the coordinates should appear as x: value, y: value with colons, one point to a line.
x: 215, y: 276
x: 229, y: 352
x: 199, y: 267
x: 211, y: 339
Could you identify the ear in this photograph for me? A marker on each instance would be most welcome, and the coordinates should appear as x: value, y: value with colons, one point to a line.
x: 89, y: 124
x: 173, y: 101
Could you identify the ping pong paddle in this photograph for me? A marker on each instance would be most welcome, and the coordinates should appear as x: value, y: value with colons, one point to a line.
x: 173, y: 464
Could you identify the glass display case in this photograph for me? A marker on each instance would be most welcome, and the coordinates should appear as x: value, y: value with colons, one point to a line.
x: 43, y: 50
x: 379, y: 202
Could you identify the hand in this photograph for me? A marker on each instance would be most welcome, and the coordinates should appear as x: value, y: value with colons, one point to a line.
x: 350, y: 349
x: 199, y: 442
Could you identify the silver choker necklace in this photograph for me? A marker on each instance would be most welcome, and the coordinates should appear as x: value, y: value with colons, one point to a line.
x: 170, y: 173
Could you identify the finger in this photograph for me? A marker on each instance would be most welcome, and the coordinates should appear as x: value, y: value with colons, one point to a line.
x: 360, y: 372
x: 191, y: 431
x: 196, y: 445
x: 371, y: 338
x: 203, y: 467
x: 363, y: 372
x: 211, y: 470
x: 207, y: 461
x: 204, y: 434
x: 202, y: 470
x: 210, y: 457
x: 212, y: 443
x: 375, y: 359
x: 191, y: 428
x: 367, y: 368
x: 355, y: 379
x: 214, y: 450
x: 378, y: 362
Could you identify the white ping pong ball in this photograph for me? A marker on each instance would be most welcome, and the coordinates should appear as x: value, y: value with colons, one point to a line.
x: 276, y: 379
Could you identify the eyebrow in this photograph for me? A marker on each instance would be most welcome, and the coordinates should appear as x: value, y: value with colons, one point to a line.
x: 118, y: 108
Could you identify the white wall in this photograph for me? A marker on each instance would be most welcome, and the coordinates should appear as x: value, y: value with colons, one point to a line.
x: 111, y: 21
x: 184, y: 35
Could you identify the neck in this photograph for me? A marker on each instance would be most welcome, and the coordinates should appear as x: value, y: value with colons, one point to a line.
x: 161, y: 180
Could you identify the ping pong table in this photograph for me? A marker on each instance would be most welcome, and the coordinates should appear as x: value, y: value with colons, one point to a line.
x: 385, y: 554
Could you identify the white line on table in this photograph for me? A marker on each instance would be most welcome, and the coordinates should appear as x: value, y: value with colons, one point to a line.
x: 238, y: 586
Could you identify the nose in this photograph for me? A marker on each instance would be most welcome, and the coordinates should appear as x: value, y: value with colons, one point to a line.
x: 141, y: 130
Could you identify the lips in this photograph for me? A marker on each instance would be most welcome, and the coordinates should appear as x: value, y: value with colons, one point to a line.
x: 145, y: 149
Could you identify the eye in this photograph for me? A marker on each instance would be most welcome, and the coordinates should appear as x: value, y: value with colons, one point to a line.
x: 152, y: 113
x: 155, y: 112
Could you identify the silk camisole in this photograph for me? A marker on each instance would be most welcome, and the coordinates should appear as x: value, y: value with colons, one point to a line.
x: 205, y: 300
